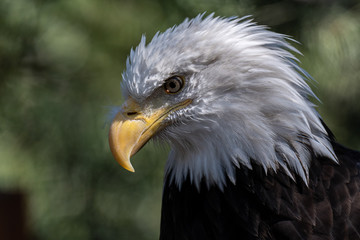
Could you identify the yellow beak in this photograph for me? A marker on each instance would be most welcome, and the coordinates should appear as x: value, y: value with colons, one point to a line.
x: 132, y: 128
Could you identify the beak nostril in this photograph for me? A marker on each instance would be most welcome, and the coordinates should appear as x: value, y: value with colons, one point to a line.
x: 131, y: 113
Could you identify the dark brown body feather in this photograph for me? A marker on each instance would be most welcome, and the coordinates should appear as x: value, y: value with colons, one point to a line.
x: 269, y: 206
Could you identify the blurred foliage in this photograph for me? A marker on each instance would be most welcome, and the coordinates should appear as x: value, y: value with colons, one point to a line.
x: 60, y: 68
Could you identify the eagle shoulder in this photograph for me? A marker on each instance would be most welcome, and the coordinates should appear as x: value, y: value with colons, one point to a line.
x: 269, y: 205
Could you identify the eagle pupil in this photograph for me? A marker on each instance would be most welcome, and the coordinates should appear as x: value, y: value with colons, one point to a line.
x: 172, y: 85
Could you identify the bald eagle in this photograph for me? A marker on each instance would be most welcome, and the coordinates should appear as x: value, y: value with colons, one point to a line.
x: 250, y: 156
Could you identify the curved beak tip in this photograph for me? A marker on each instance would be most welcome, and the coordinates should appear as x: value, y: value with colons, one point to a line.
x: 130, y: 168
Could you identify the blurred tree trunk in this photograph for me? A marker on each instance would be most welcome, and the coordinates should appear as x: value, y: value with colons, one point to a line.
x: 12, y: 216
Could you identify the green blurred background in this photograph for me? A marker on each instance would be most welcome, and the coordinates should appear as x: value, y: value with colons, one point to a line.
x: 60, y: 68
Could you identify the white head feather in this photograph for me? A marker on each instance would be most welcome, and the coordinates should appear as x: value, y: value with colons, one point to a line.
x: 250, y: 100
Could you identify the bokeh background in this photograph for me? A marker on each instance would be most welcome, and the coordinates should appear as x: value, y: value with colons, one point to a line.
x: 60, y: 68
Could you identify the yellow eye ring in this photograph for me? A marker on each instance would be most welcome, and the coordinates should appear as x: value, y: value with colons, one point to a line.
x: 173, y: 84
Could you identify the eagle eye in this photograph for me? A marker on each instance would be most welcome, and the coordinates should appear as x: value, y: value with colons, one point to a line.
x: 173, y: 84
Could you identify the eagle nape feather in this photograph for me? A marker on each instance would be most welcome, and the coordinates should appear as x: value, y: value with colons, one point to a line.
x: 250, y: 156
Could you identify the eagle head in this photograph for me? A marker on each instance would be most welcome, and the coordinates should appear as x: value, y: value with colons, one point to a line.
x: 224, y: 93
